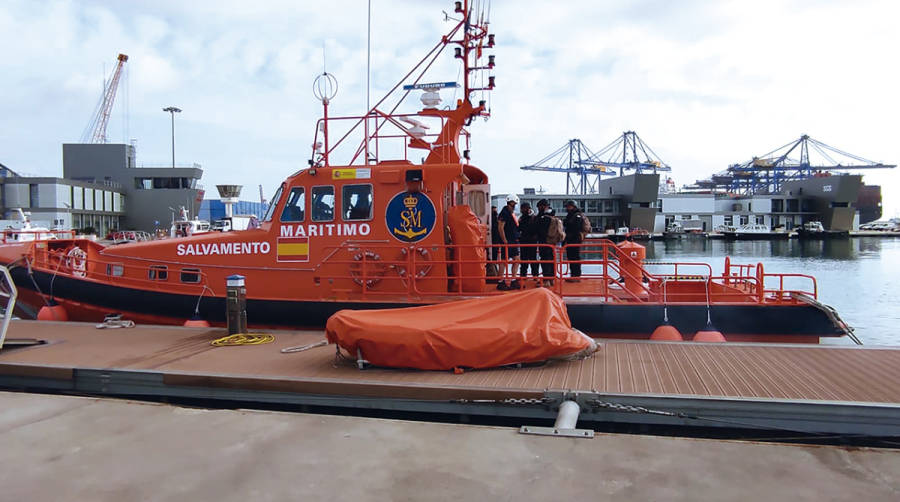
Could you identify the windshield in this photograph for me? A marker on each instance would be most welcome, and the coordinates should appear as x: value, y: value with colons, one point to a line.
x: 270, y: 211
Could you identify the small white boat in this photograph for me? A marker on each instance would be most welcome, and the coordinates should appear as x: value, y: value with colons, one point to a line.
x: 28, y: 232
x: 754, y: 231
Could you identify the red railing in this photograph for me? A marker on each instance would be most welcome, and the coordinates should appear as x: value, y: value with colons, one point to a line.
x: 373, y: 269
x: 382, y: 269
x: 377, y: 132
x: 165, y: 277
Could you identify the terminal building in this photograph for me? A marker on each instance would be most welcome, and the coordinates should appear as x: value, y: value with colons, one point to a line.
x: 154, y: 194
x: 635, y: 201
x: 61, y: 203
x: 626, y: 201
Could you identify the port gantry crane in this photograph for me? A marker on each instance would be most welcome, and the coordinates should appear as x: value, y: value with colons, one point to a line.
x: 95, y: 132
x: 799, y: 159
x: 627, y: 152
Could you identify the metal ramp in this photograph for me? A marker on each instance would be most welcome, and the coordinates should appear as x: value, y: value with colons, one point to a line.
x: 8, y: 294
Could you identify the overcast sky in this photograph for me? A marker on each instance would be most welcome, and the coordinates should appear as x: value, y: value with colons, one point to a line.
x: 705, y: 84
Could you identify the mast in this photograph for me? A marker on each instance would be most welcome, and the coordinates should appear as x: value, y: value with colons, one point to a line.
x: 469, y: 36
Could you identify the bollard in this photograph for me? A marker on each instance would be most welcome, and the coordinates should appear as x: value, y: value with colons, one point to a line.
x: 567, y: 418
x: 236, y: 304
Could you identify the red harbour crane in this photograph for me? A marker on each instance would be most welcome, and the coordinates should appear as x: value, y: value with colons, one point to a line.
x: 95, y: 132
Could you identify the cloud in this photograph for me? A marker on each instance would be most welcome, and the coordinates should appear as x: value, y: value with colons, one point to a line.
x: 706, y: 84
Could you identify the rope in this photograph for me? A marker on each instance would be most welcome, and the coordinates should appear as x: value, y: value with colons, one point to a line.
x: 301, y: 348
x: 243, y: 339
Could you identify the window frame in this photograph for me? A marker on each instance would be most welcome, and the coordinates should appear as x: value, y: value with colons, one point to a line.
x: 194, y: 271
x: 158, y: 273
x: 312, y: 213
x: 276, y: 199
x: 302, y: 209
x: 112, y: 268
x: 371, y: 204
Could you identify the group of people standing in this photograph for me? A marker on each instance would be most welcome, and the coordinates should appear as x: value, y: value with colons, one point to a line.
x: 538, y: 233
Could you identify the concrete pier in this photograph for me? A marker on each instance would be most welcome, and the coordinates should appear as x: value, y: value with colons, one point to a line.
x: 78, y: 448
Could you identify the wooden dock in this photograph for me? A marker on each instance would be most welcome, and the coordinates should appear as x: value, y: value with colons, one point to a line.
x: 808, y: 389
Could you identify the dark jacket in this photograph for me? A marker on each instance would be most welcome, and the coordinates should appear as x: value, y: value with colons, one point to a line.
x: 495, y: 228
x: 542, y: 226
x: 527, y: 229
x: 573, y: 225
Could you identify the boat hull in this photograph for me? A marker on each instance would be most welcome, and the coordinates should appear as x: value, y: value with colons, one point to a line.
x: 91, y: 301
x: 772, y: 236
x: 828, y: 234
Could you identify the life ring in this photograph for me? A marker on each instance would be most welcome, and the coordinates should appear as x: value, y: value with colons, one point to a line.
x: 356, y: 268
x: 423, y: 262
x: 76, y: 261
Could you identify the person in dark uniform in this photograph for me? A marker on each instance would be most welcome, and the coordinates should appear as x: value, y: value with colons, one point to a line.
x: 528, y: 235
x: 495, y: 234
x: 573, y: 225
x: 509, y: 235
x: 541, y: 229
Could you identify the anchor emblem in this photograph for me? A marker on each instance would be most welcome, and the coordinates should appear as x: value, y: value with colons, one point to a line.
x: 410, y: 216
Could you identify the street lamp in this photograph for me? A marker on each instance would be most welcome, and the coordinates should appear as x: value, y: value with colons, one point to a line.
x: 172, y: 111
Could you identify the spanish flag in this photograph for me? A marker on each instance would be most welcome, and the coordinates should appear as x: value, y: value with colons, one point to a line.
x: 293, y: 249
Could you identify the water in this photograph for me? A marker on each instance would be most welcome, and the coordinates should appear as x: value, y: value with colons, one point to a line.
x: 860, y: 277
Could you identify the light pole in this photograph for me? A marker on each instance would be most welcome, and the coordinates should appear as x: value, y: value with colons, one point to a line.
x: 172, y: 111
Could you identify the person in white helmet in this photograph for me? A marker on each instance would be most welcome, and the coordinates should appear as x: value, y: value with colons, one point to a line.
x: 509, y: 235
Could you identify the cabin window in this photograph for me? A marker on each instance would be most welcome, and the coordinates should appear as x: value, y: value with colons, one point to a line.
x: 477, y: 202
x: 115, y: 269
x: 294, y: 206
x: 158, y: 273
x: 323, y: 203
x: 270, y: 211
x: 760, y: 220
x: 190, y: 275
x: 356, y: 202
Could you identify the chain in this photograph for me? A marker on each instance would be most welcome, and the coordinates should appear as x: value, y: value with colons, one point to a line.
x: 512, y: 400
x: 535, y: 400
x: 634, y: 409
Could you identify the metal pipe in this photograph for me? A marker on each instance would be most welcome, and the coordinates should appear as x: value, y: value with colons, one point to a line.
x: 567, y: 417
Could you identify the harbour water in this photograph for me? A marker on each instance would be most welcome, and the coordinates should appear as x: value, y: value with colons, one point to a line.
x: 857, y: 276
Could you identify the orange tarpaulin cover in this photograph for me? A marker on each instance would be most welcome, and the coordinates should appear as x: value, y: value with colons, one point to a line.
x: 467, y: 233
x: 520, y: 327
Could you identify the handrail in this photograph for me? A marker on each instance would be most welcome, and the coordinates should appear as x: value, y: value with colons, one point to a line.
x: 96, y: 266
x: 611, y: 270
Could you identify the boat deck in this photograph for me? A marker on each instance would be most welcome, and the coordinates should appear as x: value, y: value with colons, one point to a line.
x: 818, y: 389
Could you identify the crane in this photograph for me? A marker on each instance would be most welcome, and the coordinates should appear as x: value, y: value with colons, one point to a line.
x: 571, y: 158
x: 629, y: 152
x: 799, y: 159
x: 584, y: 167
x: 95, y: 132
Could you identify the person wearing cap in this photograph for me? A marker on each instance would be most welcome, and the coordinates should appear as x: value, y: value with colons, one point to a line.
x: 528, y: 235
x: 509, y: 235
x: 573, y: 225
x: 541, y: 228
